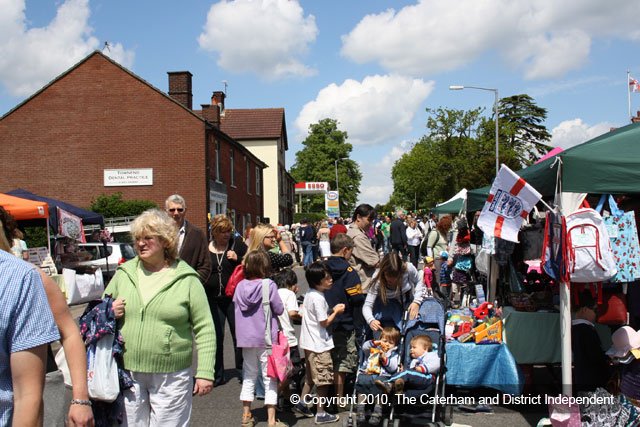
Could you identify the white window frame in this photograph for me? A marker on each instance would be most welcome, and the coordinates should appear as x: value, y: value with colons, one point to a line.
x: 232, y: 182
x: 257, y: 180
x: 248, y: 176
x: 217, y: 160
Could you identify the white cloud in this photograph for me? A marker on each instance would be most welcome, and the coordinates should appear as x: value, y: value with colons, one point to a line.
x: 265, y: 37
x: 376, y: 185
x: 31, y: 57
x: 573, y: 132
x: 377, y: 110
x: 545, y: 38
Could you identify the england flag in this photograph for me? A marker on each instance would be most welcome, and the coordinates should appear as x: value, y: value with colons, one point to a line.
x: 509, y: 203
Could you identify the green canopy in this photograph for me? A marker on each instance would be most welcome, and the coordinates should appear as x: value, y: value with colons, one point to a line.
x: 452, y: 206
x: 607, y: 164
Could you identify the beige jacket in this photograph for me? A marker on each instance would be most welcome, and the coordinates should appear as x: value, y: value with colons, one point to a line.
x: 364, y: 258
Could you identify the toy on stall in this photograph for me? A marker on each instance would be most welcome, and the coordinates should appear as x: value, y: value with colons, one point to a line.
x: 481, y: 325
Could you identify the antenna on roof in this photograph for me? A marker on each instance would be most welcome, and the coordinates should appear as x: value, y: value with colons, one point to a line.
x: 106, y: 46
x: 224, y: 82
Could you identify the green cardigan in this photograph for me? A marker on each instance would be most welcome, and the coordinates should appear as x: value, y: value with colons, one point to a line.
x: 158, y: 335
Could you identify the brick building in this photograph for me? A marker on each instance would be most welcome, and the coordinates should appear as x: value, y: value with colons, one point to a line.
x: 263, y: 131
x: 98, y: 124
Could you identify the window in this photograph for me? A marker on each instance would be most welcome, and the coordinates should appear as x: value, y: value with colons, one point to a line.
x: 257, y: 180
x: 248, y: 219
x: 233, y: 217
x: 248, y: 177
x: 233, y: 181
x: 217, y: 161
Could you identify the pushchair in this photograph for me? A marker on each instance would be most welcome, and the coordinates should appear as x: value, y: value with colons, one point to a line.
x: 392, y: 314
x: 431, y: 322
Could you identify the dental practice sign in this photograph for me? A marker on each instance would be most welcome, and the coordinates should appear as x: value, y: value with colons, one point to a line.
x: 128, y: 177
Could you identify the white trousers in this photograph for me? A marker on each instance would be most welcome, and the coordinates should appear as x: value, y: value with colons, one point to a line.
x: 159, y: 399
x: 254, y: 364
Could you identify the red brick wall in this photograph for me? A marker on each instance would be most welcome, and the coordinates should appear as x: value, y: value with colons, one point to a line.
x: 100, y: 117
x: 237, y: 197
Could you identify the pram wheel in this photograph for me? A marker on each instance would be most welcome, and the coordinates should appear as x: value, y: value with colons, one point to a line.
x: 349, y: 422
x: 396, y: 422
x: 448, y: 415
x: 385, y: 422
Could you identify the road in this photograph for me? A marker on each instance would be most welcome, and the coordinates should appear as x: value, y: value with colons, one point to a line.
x: 223, y: 408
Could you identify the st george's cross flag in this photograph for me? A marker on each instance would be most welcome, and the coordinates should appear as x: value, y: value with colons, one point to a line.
x: 509, y: 203
x: 634, y: 86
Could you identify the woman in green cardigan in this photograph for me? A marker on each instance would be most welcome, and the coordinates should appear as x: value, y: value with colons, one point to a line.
x: 159, y: 302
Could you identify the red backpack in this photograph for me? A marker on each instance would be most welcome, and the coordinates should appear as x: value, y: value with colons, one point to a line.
x: 236, y: 277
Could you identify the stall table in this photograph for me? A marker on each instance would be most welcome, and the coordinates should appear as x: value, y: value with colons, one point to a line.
x: 534, y: 338
x: 490, y: 365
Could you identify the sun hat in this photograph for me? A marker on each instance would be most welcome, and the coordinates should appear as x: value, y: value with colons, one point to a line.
x: 428, y: 260
x: 624, y: 340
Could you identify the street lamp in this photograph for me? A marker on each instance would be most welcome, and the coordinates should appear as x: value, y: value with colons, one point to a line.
x: 495, y: 106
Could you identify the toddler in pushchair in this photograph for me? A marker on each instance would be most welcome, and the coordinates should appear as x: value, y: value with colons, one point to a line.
x: 423, y: 380
x: 379, y: 360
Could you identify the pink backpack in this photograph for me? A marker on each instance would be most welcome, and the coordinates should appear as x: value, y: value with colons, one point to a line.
x: 589, y: 254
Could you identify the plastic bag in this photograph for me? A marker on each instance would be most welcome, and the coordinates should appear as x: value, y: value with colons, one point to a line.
x: 102, y: 370
x: 83, y: 287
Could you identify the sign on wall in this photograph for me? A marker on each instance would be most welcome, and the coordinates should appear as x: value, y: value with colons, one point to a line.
x: 128, y: 177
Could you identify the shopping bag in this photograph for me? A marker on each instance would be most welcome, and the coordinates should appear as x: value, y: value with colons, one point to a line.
x: 102, y: 370
x: 82, y: 288
x: 63, y: 366
x: 279, y: 361
x: 623, y: 235
x: 564, y: 415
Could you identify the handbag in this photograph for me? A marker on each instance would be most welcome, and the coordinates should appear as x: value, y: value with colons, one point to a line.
x: 236, y: 277
x: 613, y: 310
x: 279, y: 365
x: 102, y: 370
x: 623, y: 235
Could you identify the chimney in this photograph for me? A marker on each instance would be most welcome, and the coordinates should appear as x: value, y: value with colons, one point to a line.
x: 218, y: 99
x: 180, y: 87
x: 636, y: 119
x: 211, y: 113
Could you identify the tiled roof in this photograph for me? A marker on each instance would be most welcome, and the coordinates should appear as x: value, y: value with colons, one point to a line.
x: 255, y: 123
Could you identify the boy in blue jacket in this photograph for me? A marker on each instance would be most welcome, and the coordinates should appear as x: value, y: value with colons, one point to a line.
x: 346, y: 290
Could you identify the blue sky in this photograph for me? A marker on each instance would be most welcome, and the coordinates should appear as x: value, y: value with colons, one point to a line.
x: 373, y: 65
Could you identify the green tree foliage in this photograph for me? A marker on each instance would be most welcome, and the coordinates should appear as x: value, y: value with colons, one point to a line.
x: 458, y: 150
x: 445, y: 160
x: 113, y: 206
x: 316, y: 163
x: 35, y: 236
x: 523, y: 136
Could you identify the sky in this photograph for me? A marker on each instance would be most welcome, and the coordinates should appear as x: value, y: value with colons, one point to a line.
x: 373, y: 65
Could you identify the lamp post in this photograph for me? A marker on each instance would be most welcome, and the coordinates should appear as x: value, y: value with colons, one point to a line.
x: 495, y: 106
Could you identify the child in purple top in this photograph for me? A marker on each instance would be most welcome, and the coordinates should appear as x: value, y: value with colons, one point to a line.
x: 250, y: 333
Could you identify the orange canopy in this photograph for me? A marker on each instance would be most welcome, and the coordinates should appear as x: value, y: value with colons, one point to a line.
x: 23, y: 208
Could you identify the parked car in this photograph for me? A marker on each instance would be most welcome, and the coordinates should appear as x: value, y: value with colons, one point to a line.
x: 95, y: 256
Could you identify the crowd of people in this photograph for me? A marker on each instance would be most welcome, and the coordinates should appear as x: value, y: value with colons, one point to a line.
x: 174, y: 296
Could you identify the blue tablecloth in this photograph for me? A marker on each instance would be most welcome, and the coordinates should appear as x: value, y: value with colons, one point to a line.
x: 492, y: 365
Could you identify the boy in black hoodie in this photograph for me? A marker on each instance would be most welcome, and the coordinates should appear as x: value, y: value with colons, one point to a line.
x: 346, y: 290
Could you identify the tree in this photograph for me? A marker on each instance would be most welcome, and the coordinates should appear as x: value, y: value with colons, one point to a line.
x: 113, y: 206
x: 316, y: 162
x: 523, y: 136
x: 444, y: 161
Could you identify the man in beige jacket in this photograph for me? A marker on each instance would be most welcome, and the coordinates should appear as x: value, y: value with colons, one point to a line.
x: 364, y: 258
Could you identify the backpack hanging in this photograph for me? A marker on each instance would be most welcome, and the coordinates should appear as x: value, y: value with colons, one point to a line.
x: 589, y: 255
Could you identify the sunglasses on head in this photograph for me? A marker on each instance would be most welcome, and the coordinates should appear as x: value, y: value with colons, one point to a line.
x: 176, y: 210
